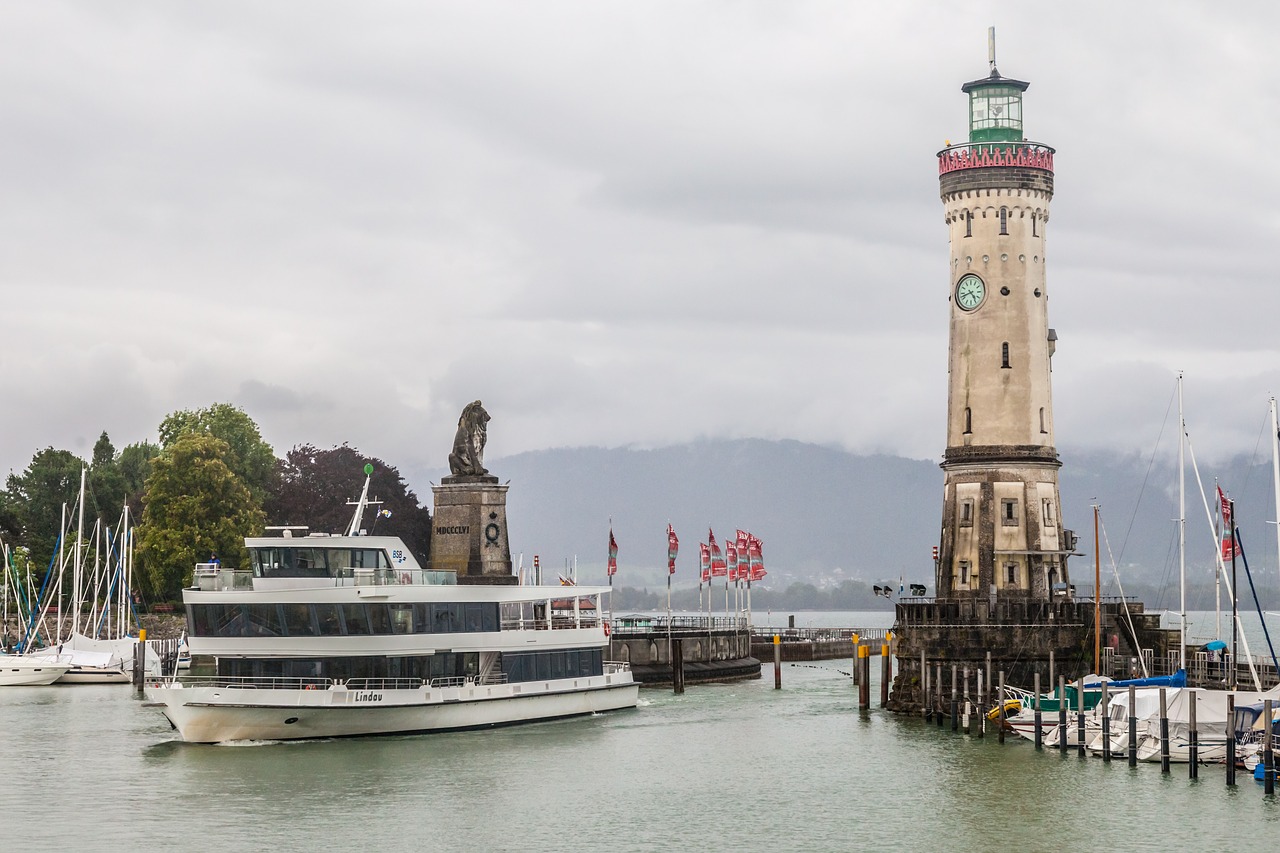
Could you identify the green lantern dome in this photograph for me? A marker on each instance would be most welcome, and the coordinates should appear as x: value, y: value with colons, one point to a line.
x: 995, y: 108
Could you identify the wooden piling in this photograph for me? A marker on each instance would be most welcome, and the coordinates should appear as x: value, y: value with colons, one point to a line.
x: 1268, y: 757
x: 1164, y: 732
x: 1039, y: 738
x: 937, y: 713
x: 1231, y: 740
x: 1062, y: 714
x: 886, y: 674
x: 965, y: 721
x: 1051, y: 670
x: 777, y: 662
x: 677, y: 665
x: 925, y: 696
x: 1193, y: 740
x: 984, y: 687
x: 864, y: 676
x: 1080, y: 746
x: 955, y: 709
x: 1000, y: 735
x: 1106, y: 725
x: 1133, y: 728
x: 140, y: 660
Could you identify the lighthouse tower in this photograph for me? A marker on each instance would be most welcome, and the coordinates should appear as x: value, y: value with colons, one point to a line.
x: 1001, y: 529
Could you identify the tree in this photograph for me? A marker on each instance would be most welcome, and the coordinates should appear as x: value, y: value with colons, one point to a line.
x: 35, y: 498
x: 248, y: 456
x: 313, y: 487
x: 106, y: 484
x: 135, y: 467
x: 195, y: 506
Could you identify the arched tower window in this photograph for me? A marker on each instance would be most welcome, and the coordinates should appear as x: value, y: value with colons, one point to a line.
x: 968, y: 420
x: 1042, y: 429
x: 1004, y: 354
x: 1004, y: 220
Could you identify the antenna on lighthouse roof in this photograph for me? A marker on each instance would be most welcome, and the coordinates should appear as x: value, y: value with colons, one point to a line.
x: 991, y: 50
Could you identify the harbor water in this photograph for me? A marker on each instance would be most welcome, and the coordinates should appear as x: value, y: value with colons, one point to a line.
x: 723, y: 767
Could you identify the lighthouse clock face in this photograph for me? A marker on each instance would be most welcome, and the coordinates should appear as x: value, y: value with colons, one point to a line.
x: 970, y: 291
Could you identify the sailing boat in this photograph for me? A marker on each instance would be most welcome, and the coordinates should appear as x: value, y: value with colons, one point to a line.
x: 17, y: 670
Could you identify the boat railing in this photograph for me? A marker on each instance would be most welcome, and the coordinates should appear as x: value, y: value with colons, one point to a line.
x: 557, y: 623
x: 613, y: 667
x: 211, y: 577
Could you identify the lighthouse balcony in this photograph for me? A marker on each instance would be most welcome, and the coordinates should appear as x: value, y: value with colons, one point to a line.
x: 986, y: 155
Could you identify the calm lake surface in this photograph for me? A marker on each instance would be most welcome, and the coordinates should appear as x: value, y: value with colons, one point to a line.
x: 726, y: 767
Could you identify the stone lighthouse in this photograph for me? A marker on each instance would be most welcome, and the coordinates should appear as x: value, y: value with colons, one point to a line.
x: 1001, y: 528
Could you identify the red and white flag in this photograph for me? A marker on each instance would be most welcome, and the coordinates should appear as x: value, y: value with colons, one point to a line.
x: 755, y: 556
x: 706, y: 562
x: 1230, y: 547
x: 719, y: 568
x: 613, y: 555
x: 673, y: 548
x: 731, y: 556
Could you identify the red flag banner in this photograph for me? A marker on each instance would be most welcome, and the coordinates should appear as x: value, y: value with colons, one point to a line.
x: 706, y: 561
x: 1226, y: 509
x: 731, y: 555
x: 755, y: 557
x: 1230, y: 548
x: 673, y: 548
x: 718, y: 566
x: 613, y: 554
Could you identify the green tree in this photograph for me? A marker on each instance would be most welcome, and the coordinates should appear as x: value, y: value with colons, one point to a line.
x: 106, y: 484
x: 135, y: 467
x: 195, y: 505
x: 35, y: 498
x: 248, y: 456
x: 313, y: 486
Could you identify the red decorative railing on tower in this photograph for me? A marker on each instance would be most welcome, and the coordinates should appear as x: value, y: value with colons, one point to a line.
x: 982, y: 155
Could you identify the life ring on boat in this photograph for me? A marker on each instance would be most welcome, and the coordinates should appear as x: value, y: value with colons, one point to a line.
x: 405, y: 578
x: 606, y: 629
x: 310, y: 687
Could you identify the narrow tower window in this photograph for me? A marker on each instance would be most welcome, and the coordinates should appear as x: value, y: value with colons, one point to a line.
x: 1004, y: 220
x: 964, y: 573
x: 966, y: 513
x: 968, y: 420
x: 1004, y: 354
x: 968, y: 223
x: 1042, y: 429
x: 1033, y: 225
x: 1011, y: 573
x: 1009, y: 512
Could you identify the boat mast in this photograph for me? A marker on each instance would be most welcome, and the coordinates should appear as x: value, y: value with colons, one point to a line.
x: 1097, y: 597
x: 77, y: 576
x: 1275, y: 470
x: 354, y: 528
x: 1182, y: 531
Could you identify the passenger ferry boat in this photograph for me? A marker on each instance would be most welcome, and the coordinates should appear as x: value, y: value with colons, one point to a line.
x: 335, y: 636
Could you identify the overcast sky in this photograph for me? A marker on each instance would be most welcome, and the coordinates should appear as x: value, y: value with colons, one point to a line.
x: 617, y: 223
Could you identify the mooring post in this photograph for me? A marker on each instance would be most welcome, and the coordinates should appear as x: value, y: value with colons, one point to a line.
x: 926, y: 684
x: 1000, y: 734
x: 986, y: 699
x: 886, y: 674
x: 1268, y: 759
x: 777, y: 662
x: 1036, y: 718
x: 965, y: 721
x: 1062, y: 714
x: 1164, y: 731
x: 677, y: 665
x: 857, y: 672
x: 140, y: 660
x: 1080, y: 717
x: 983, y: 688
x: 1133, y: 727
x: 1193, y: 739
x: 1106, y: 725
x: 1051, y: 671
x: 955, y: 710
x: 937, y: 708
x: 1231, y: 739
x: 864, y: 676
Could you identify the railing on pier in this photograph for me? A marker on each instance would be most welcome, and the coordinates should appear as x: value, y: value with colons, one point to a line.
x: 1203, y: 669
x: 765, y: 634
x: 660, y: 624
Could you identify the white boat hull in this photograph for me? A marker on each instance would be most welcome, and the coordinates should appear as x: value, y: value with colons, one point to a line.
x: 95, y: 675
x: 217, y: 714
x: 17, y: 672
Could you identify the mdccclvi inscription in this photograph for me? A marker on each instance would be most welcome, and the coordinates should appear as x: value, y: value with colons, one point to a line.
x: 453, y: 530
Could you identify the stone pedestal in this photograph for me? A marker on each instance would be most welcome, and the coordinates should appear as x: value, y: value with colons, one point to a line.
x: 469, y: 530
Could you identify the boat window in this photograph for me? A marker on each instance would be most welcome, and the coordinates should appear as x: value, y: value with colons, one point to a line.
x: 356, y: 618
x: 401, y: 618
x: 328, y: 619
x: 446, y: 618
x: 289, y: 562
x: 263, y: 620
x: 379, y: 619
x: 297, y: 619
x: 474, y: 615
x: 489, y: 616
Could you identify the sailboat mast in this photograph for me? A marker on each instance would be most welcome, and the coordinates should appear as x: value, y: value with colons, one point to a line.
x: 1097, y: 597
x: 78, y: 575
x: 1182, y: 531
x: 1275, y: 470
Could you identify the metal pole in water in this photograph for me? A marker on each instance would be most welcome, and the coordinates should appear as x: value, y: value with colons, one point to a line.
x: 1193, y: 740
x: 937, y: 706
x: 1164, y: 732
x: 677, y: 665
x: 1051, y: 673
x: 1000, y: 735
x: 1036, y: 716
x: 964, y: 702
x: 1133, y: 728
x: 983, y: 688
x: 857, y: 673
x: 864, y: 676
x: 1062, y: 714
x: 924, y: 687
x: 1106, y: 725
x: 777, y: 662
x: 1268, y: 758
x: 1080, y: 717
x: 1231, y: 740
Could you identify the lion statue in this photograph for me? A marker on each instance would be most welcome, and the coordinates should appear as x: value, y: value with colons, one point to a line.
x: 467, y: 457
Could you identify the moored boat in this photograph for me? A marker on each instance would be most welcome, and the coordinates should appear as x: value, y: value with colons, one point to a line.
x: 20, y: 670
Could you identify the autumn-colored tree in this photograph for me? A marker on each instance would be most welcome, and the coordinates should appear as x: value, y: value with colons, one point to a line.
x: 195, y: 506
x: 313, y: 487
x: 248, y: 456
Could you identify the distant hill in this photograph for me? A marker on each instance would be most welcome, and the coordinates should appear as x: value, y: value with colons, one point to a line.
x: 826, y: 515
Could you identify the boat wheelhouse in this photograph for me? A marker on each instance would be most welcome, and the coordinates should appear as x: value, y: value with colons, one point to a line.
x: 330, y: 636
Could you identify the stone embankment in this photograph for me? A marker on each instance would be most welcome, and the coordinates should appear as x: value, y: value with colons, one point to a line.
x: 159, y: 626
